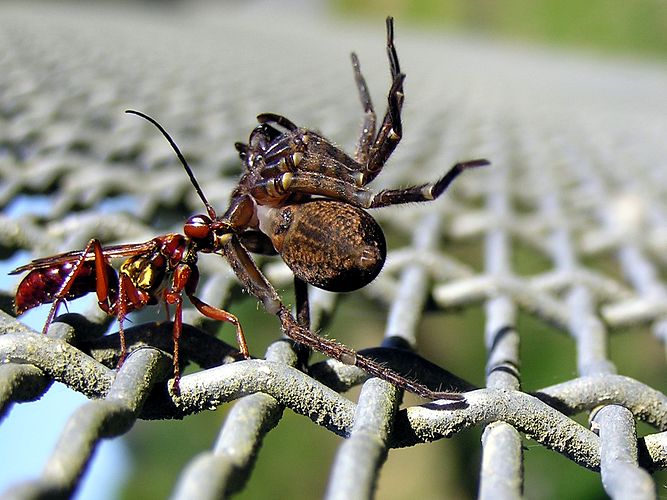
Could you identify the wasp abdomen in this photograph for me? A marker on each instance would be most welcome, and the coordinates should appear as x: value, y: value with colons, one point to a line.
x: 40, y: 286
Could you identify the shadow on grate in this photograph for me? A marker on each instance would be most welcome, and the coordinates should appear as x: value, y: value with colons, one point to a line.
x: 539, y: 280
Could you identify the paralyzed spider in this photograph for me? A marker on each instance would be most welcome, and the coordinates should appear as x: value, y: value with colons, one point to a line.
x: 300, y: 197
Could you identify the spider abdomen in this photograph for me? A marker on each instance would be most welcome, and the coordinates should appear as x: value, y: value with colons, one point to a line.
x: 329, y: 244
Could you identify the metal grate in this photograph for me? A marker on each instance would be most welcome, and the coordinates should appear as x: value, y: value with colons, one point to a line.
x: 577, y: 186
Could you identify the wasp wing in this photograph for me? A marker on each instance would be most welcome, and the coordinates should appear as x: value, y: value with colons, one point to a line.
x: 111, y: 252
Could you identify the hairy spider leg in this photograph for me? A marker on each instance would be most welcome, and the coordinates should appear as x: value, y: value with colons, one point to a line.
x: 304, y: 150
x: 389, y: 135
x: 424, y: 192
x: 372, y: 151
x: 303, y: 319
x: 257, y: 284
x: 318, y: 184
x: 283, y: 155
x: 302, y: 304
x: 367, y: 135
x: 279, y: 119
x: 263, y: 135
x: 391, y: 130
x: 301, y: 150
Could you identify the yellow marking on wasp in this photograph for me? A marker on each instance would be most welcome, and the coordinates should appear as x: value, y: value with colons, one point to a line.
x: 140, y: 272
x: 223, y: 239
x: 393, y: 135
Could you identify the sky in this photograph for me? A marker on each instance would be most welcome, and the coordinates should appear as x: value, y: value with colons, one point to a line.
x: 30, y: 431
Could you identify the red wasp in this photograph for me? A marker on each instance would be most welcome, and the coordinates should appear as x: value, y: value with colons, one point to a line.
x: 300, y: 197
x: 162, y: 269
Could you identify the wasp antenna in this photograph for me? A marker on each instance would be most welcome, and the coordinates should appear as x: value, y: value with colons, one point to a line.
x: 188, y: 170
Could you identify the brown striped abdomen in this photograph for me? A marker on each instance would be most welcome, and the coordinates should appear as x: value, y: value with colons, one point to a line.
x: 331, y: 245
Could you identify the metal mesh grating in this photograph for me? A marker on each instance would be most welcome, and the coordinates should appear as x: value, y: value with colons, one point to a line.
x: 577, y: 184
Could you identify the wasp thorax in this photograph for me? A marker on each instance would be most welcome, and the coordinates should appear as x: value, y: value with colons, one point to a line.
x: 331, y: 245
x: 146, y: 272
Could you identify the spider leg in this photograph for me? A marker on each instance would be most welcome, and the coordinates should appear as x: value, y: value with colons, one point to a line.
x: 308, y: 151
x: 318, y: 184
x: 425, y: 192
x: 261, y: 137
x: 313, y: 183
x: 368, y: 128
x: 250, y: 276
x: 242, y: 150
x: 302, y: 318
x: 394, y: 66
x: 302, y: 303
x: 284, y: 155
x: 279, y: 119
x: 391, y: 130
x: 257, y: 284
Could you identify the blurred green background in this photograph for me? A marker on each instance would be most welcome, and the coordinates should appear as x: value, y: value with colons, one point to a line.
x: 635, y: 26
x: 296, y: 455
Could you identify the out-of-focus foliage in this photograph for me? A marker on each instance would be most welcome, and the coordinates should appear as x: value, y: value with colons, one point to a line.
x: 638, y: 26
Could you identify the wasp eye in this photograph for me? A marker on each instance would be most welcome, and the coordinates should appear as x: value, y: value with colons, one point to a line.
x: 198, y: 227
